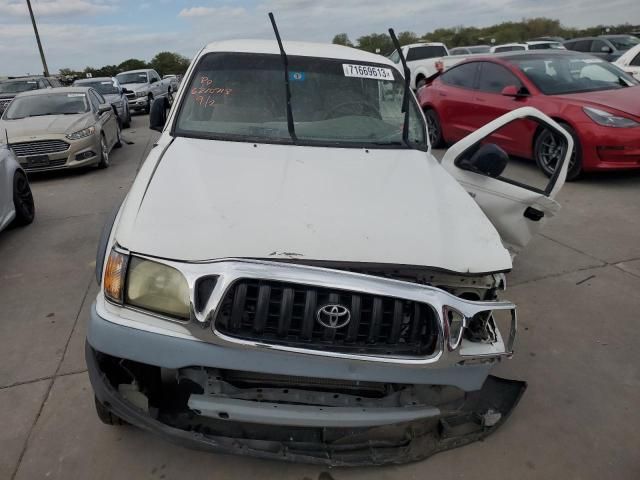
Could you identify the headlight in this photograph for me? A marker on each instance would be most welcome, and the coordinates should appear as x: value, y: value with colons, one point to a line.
x: 158, y: 288
x: 141, y: 94
x: 609, y: 119
x: 82, y: 133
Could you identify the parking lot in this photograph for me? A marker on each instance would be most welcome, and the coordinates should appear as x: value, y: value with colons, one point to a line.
x: 576, y: 287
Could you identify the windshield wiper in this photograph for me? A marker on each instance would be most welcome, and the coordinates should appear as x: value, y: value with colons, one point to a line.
x: 285, y: 63
x: 407, y: 80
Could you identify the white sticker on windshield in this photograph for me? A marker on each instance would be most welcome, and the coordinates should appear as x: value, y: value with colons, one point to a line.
x: 31, y: 81
x: 75, y: 95
x: 592, y: 60
x: 105, y: 83
x: 367, y: 71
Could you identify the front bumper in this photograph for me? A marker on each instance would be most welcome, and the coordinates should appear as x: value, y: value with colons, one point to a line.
x: 138, y: 103
x: 82, y: 152
x: 476, y: 417
x: 606, y: 148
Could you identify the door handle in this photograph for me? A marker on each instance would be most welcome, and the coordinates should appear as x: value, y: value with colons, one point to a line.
x: 442, y: 94
x: 478, y: 99
x: 533, y: 214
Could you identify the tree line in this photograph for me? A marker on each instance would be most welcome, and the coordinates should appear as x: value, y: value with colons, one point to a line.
x: 505, y: 32
x: 165, y: 63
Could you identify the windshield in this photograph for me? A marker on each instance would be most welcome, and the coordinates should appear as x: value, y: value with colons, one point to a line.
x: 52, y: 104
x: 240, y: 96
x: 624, y: 43
x: 17, y: 86
x: 555, y: 75
x: 125, y: 78
x: 105, y: 87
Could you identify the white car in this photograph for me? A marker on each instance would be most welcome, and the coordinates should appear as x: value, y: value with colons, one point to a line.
x: 630, y: 61
x: 532, y: 45
x: 16, y: 200
x: 293, y: 275
x: 143, y: 86
x: 420, y: 59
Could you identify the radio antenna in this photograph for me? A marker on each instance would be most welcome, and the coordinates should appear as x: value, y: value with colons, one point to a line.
x: 285, y: 63
x: 407, y: 79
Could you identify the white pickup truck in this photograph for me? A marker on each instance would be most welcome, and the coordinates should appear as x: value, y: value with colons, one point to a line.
x: 143, y: 86
x: 421, y: 60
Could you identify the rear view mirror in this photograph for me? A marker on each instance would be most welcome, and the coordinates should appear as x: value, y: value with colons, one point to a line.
x: 104, y: 108
x: 514, y: 91
x: 158, y: 113
x: 489, y: 159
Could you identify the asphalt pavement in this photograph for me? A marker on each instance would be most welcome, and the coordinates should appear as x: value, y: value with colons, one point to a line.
x: 577, y: 287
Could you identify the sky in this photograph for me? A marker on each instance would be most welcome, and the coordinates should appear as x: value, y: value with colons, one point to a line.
x: 80, y: 33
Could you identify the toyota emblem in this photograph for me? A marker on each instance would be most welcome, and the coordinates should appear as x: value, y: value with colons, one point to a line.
x: 333, y: 316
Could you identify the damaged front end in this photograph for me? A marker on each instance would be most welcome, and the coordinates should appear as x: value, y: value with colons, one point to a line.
x: 318, y: 421
x: 309, y: 364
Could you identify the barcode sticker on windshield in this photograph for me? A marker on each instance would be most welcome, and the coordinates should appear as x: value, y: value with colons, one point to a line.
x: 591, y: 60
x: 367, y: 71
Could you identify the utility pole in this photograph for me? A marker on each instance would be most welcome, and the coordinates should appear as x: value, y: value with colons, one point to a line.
x: 35, y: 29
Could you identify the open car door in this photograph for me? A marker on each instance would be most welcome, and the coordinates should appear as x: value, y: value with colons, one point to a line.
x: 511, y: 191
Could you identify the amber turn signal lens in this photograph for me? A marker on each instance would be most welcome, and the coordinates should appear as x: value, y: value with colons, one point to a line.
x: 114, y: 276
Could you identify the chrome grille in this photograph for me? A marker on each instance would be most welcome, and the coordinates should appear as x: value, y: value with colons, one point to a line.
x: 286, y: 314
x: 131, y: 96
x: 41, y: 147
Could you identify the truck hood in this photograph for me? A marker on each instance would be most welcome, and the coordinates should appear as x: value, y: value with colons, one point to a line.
x: 625, y: 100
x: 46, y: 125
x: 211, y: 199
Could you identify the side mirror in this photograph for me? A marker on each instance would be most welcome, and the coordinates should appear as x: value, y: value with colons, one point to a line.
x: 489, y: 159
x: 511, y: 91
x: 153, y: 80
x: 158, y: 113
x: 104, y: 108
x: 606, y: 49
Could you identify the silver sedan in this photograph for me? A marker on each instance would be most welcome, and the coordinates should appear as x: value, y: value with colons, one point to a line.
x: 16, y: 200
x: 61, y: 128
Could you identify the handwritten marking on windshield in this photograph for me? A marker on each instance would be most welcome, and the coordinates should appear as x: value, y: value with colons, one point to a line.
x: 203, y: 93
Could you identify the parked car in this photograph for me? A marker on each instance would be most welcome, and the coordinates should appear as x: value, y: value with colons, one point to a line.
x: 420, y: 59
x: 596, y: 102
x: 16, y: 200
x: 549, y: 39
x: 112, y: 92
x: 143, y: 86
x: 67, y: 127
x: 11, y: 87
x: 531, y: 45
x: 630, y: 62
x: 313, y: 286
x: 174, y: 82
x: 607, y: 47
x: 470, y: 50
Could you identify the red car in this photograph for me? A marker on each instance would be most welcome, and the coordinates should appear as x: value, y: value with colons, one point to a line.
x: 597, y: 103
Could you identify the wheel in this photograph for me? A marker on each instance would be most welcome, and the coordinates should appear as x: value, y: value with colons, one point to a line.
x: 147, y: 108
x: 434, y: 128
x: 127, y: 119
x: 547, y: 150
x: 118, y: 143
x: 105, y: 415
x: 22, y: 200
x: 104, y: 153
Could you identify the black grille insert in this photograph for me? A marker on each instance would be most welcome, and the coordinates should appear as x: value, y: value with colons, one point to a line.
x: 285, y: 314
